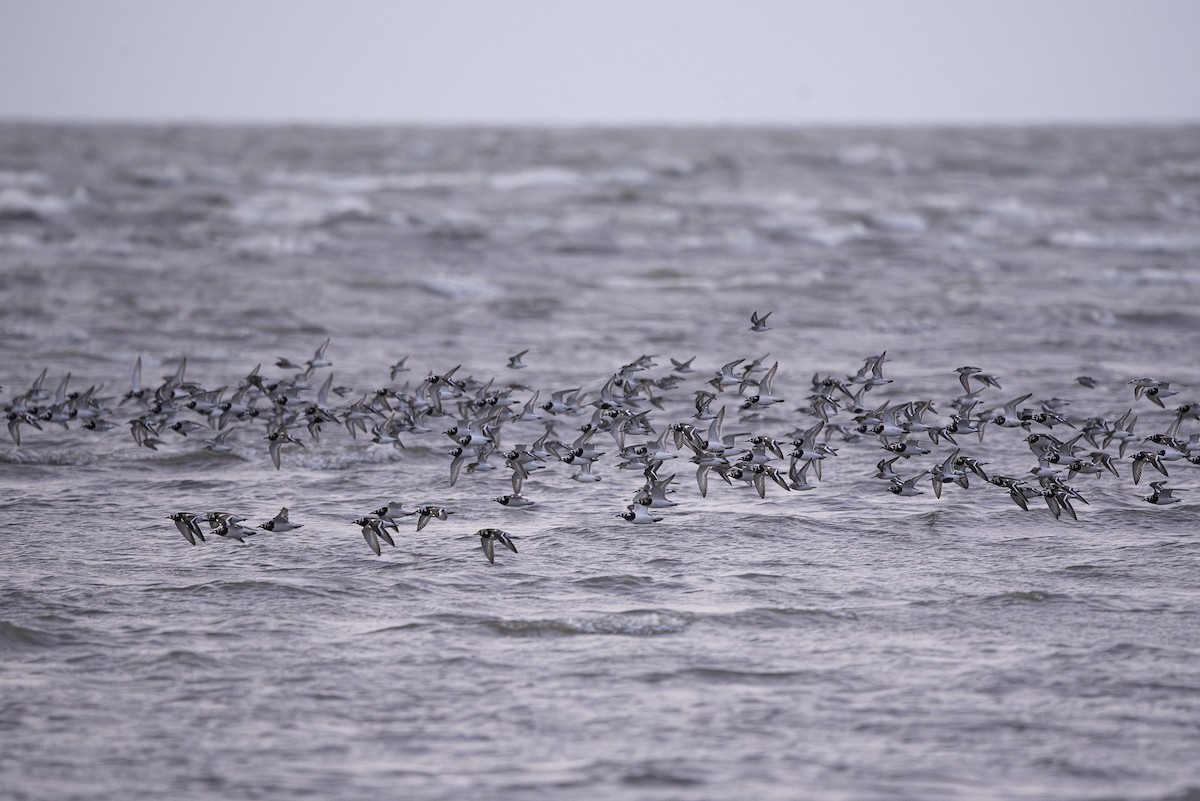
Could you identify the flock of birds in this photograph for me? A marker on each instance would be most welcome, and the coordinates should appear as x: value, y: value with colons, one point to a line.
x: 474, y: 415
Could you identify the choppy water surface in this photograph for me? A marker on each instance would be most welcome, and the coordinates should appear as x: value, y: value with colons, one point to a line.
x: 842, y: 642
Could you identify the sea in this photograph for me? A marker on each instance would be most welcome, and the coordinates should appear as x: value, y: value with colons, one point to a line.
x: 846, y: 641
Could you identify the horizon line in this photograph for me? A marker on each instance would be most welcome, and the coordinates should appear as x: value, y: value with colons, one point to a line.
x: 642, y: 124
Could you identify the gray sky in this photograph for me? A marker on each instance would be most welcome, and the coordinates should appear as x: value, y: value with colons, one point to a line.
x: 609, y: 62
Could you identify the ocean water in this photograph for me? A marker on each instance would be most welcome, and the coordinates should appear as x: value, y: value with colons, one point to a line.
x: 842, y: 642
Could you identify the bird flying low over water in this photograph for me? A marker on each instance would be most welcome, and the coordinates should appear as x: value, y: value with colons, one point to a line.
x: 638, y: 513
x: 514, y: 361
x: 907, y: 487
x: 427, y: 513
x: 280, y: 523
x: 488, y: 537
x: 1161, y: 495
x: 514, y: 501
x: 189, y: 526
x: 374, y: 531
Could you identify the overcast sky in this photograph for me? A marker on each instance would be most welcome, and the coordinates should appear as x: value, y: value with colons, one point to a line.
x: 607, y: 62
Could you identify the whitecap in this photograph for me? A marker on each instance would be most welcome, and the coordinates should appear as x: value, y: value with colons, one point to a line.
x: 26, y: 179
x: 637, y: 623
x: 16, y: 202
x: 332, y: 184
x: 458, y: 288
x: 538, y: 178
x: 1133, y: 242
x: 296, y: 209
x: 277, y: 244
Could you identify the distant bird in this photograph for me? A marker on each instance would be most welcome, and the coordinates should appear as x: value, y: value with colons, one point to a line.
x: 1143, y: 458
x: 964, y: 373
x: 280, y: 523
x: 1122, y: 432
x: 585, y: 474
x: 1140, y: 385
x: 1162, y: 495
x: 515, y: 363
x: 99, y: 425
x: 654, y: 493
x: 461, y: 456
x: 948, y: 472
x: 488, y: 537
x: 374, y: 529
x: 397, y: 368
x: 514, y: 501
x: 218, y: 444
x: 638, y: 513
x: 225, y: 524
x: 15, y: 419
x: 189, y: 526
x: 725, y: 377
x: 682, y: 367
x: 393, y: 510
x: 318, y: 359
x: 798, y: 475
x: 1156, y: 394
x: 277, y: 439
x: 986, y: 379
x: 885, y: 469
x: 427, y: 513
x: 759, y: 324
x: 1010, y: 417
x: 763, y: 398
x: 136, y: 390
x: 284, y: 363
x: 907, y: 449
x: 907, y: 487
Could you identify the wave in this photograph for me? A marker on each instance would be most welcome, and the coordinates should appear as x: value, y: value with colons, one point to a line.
x: 531, y: 178
x: 536, y: 178
x: 459, y: 288
x: 154, y: 175
x: 14, y: 636
x: 779, y: 617
x: 633, y: 623
x: 1022, y: 597
x: 619, y: 582
x: 651, y: 776
x: 409, y: 626
x: 25, y: 179
x: 720, y: 675
x: 450, y: 225
x: 297, y: 210
x: 313, y: 456
x: 1127, y: 242
x: 289, y: 243
x: 262, y: 588
x: 17, y: 203
x: 66, y: 457
x: 185, y: 658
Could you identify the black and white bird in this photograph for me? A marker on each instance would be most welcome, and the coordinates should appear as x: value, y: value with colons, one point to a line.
x: 427, y: 513
x: 280, y: 523
x: 1162, y: 495
x: 189, y: 526
x: 375, y: 529
x: 488, y: 537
